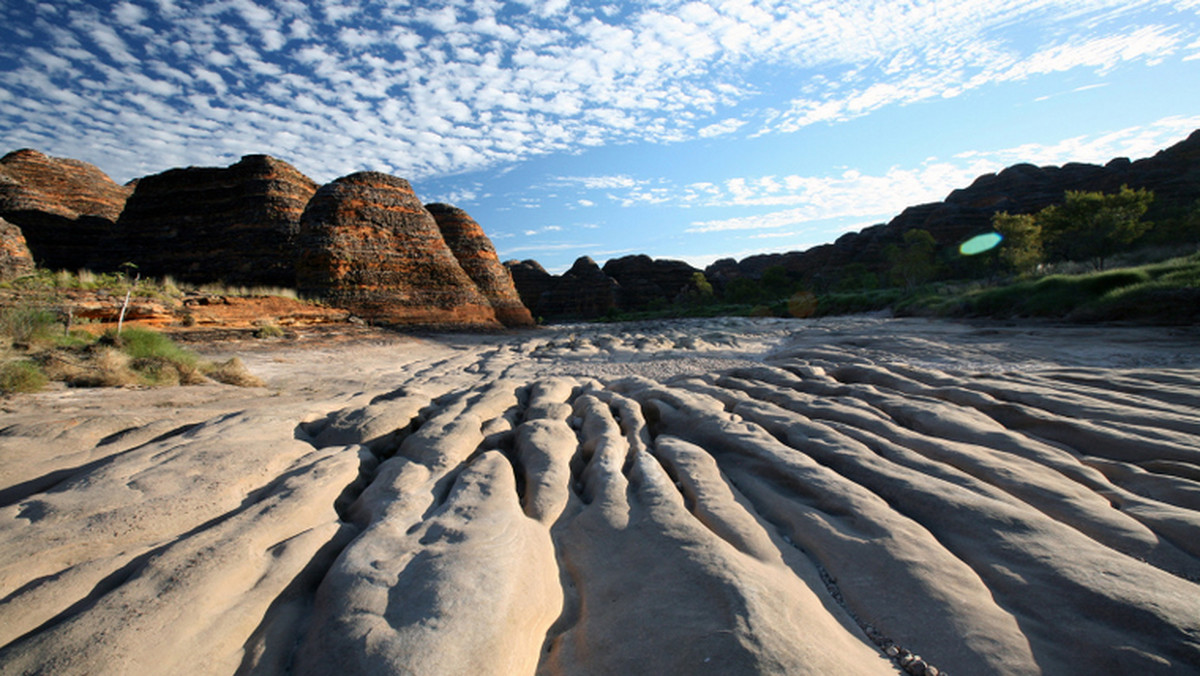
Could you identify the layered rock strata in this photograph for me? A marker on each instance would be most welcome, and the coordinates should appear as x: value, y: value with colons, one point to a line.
x: 15, y: 257
x: 367, y: 244
x: 67, y: 209
x: 477, y: 256
x: 235, y: 225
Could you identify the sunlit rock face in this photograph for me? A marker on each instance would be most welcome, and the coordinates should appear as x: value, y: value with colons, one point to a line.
x: 478, y: 259
x: 235, y: 225
x: 367, y: 244
x: 65, y: 208
x: 15, y: 257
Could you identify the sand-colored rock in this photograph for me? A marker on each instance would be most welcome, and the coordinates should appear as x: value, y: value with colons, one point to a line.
x: 721, y: 496
x: 367, y: 244
x: 478, y: 259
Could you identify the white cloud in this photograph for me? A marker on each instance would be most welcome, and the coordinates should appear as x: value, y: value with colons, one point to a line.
x: 508, y: 251
x: 721, y: 128
x: 597, y: 182
x: 454, y: 86
x: 858, y: 195
x: 1132, y: 142
x: 129, y: 14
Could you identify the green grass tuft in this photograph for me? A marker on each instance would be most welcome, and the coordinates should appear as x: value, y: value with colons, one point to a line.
x: 21, y: 376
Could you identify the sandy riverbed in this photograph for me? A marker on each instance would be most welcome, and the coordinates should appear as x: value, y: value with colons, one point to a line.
x: 710, y: 496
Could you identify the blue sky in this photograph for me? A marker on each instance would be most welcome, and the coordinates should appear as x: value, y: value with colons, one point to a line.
x: 693, y: 130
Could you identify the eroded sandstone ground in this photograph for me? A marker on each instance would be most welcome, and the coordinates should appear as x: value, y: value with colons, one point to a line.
x: 723, y: 496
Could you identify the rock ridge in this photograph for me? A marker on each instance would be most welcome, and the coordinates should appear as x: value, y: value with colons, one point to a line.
x: 235, y: 225
x: 67, y: 209
x: 366, y: 243
x: 1172, y: 173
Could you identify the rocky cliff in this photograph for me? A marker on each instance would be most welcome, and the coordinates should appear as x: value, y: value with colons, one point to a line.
x: 367, y: 244
x: 65, y: 208
x: 531, y: 281
x: 370, y: 244
x: 645, y: 280
x: 15, y: 258
x: 583, y: 292
x: 1173, y: 174
x: 587, y: 291
x: 477, y: 256
x: 233, y: 224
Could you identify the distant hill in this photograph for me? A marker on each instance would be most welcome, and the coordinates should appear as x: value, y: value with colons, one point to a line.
x: 1173, y: 174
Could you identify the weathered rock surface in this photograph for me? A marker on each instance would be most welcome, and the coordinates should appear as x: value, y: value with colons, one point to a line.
x: 645, y: 281
x: 478, y: 259
x: 1173, y: 174
x: 236, y: 225
x: 367, y: 244
x: 65, y: 208
x: 853, y: 496
x: 15, y: 257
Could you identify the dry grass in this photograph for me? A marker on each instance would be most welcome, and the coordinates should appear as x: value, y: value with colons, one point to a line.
x: 233, y: 372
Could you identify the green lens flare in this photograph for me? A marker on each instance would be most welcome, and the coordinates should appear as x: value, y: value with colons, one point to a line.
x: 980, y: 243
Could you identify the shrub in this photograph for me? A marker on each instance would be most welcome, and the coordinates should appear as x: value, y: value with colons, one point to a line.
x: 268, y: 331
x: 108, y: 367
x: 155, y: 358
x: 29, y: 324
x: 21, y: 376
x: 146, y: 344
x: 233, y: 372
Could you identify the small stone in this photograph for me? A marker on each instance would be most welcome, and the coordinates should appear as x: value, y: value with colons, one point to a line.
x: 916, y: 667
x: 892, y: 650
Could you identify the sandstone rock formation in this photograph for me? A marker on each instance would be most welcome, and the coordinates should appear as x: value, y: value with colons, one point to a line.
x: 65, y: 208
x: 367, y: 244
x: 15, y: 258
x: 858, y: 496
x: 235, y: 225
x: 583, y: 292
x: 1173, y: 174
x: 531, y: 281
x: 587, y: 291
x: 478, y: 259
x: 645, y: 280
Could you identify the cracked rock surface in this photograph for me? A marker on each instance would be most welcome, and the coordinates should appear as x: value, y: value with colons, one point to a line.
x: 848, y: 496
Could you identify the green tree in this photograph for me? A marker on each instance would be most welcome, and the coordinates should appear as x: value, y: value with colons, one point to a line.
x: 700, y: 283
x: 856, y: 277
x: 743, y: 290
x: 1021, y: 251
x: 701, y: 290
x: 1093, y: 226
x: 776, y: 282
x: 913, y: 263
